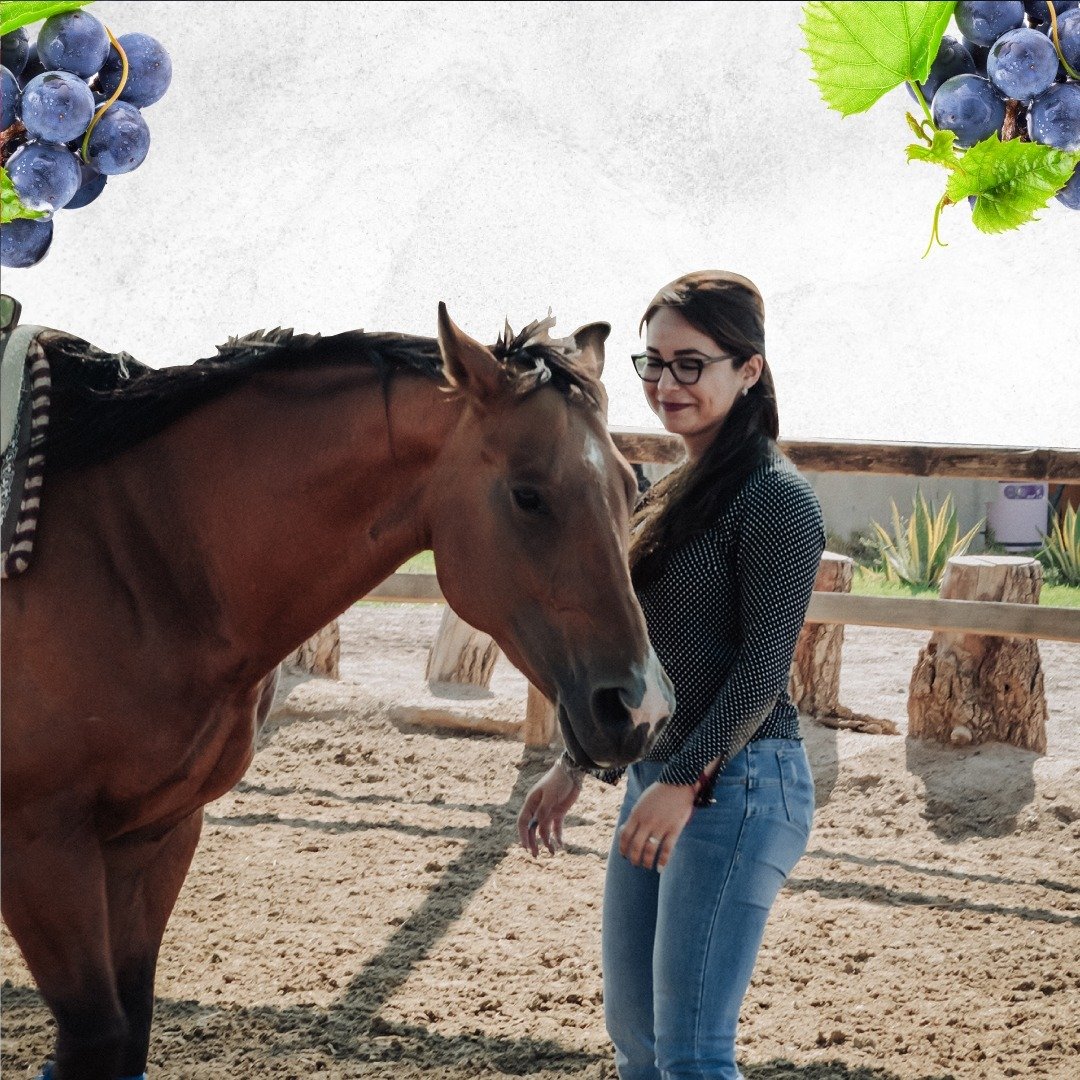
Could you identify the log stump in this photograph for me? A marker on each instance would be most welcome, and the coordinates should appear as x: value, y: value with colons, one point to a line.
x: 540, y: 726
x: 461, y: 654
x: 974, y: 688
x: 320, y: 654
x: 814, y: 684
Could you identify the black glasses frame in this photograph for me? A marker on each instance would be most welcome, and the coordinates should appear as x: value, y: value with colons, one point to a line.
x: 641, y: 359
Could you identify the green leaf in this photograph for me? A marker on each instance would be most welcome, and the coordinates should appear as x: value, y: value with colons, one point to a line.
x: 11, y: 207
x: 1010, y: 179
x: 942, y: 151
x: 16, y: 13
x: 861, y: 51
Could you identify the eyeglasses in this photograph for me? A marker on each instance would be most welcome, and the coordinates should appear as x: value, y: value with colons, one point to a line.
x: 685, y: 370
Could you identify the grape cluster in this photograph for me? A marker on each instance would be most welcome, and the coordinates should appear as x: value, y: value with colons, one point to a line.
x: 64, y: 130
x: 1004, y: 75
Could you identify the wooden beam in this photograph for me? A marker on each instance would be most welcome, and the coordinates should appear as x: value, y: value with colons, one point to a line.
x: 957, y: 616
x: 408, y: 589
x: 962, y: 616
x: 1060, y: 465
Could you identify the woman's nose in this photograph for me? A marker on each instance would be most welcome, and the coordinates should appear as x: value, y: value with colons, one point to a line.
x: 667, y: 379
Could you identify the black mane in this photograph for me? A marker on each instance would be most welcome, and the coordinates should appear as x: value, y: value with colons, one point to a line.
x: 103, y: 403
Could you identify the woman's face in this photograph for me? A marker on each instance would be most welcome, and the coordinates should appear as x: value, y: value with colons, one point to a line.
x: 694, y: 412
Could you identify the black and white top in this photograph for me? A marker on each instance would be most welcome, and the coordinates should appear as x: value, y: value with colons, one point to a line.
x: 724, y: 617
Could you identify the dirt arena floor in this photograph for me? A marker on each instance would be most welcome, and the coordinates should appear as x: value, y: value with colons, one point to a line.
x: 358, y: 906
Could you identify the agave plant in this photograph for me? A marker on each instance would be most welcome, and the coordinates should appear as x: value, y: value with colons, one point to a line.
x: 1061, y: 547
x: 922, y: 546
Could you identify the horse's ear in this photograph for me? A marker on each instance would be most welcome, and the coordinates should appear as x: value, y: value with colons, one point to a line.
x: 468, y: 365
x: 590, y: 341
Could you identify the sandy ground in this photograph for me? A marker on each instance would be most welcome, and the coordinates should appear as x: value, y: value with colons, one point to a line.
x: 358, y: 907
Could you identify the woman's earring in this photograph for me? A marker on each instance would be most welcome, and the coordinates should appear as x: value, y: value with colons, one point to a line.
x: 745, y: 391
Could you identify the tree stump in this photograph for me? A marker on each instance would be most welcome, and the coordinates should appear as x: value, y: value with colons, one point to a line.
x: 461, y: 654
x: 321, y: 654
x: 975, y: 688
x: 814, y: 684
x: 540, y: 726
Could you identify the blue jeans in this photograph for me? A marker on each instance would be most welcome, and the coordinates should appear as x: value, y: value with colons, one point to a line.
x: 679, y: 947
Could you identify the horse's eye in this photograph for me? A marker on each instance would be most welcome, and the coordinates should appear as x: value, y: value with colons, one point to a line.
x: 529, y: 500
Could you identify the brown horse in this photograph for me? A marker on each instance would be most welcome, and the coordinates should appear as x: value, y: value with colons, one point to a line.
x: 199, y: 523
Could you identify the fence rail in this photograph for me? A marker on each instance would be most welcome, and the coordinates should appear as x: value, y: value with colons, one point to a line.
x: 1061, y: 465
x: 959, y: 616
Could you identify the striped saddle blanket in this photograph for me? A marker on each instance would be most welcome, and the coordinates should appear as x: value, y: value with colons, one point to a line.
x: 24, y: 414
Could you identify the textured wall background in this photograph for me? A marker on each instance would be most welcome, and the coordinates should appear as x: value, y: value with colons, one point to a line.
x: 334, y: 165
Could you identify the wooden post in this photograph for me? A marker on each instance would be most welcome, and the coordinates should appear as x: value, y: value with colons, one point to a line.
x: 461, y: 654
x: 814, y: 685
x: 321, y: 654
x: 540, y: 727
x: 970, y: 688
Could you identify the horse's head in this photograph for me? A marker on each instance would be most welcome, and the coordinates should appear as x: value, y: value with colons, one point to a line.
x: 529, y: 515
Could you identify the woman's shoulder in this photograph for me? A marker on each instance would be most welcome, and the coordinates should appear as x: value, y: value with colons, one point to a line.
x: 777, y: 480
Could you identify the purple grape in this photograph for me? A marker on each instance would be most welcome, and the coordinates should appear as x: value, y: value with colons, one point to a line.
x: 33, y: 66
x: 984, y: 21
x: 120, y: 140
x: 1069, y: 37
x: 953, y: 58
x: 45, y: 175
x: 24, y: 242
x: 9, y: 98
x: 93, y: 184
x: 14, y: 48
x: 1039, y: 14
x: 1070, y: 193
x: 968, y: 105
x: 149, y: 74
x: 1054, y: 117
x: 1022, y: 64
x: 979, y: 54
x: 75, y: 42
x: 57, y: 106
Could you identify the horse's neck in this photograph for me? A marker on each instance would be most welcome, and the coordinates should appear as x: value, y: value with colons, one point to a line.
x: 298, y: 503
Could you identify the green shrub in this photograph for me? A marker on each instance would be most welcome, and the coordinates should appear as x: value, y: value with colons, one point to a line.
x: 1060, y: 552
x: 920, y: 547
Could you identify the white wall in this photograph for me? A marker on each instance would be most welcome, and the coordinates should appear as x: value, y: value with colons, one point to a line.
x: 334, y: 165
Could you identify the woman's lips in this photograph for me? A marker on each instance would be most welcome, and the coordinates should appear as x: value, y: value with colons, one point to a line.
x: 673, y: 406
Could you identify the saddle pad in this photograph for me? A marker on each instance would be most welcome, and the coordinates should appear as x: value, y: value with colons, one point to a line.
x: 23, y: 470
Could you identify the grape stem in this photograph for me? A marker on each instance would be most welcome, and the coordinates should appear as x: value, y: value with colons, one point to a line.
x: 1057, y: 41
x: 935, y: 231
x: 919, y: 129
x: 916, y: 89
x: 116, y: 93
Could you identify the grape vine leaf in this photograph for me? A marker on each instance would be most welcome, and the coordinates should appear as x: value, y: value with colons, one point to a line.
x: 11, y: 207
x: 941, y: 151
x: 1011, y: 180
x: 16, y: 13
x: 861, y: 51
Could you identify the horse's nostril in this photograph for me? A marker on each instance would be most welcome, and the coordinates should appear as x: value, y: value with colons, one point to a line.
x: 607, y: 706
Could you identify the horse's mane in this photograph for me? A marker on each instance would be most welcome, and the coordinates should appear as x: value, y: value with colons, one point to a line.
x: 104, y: 403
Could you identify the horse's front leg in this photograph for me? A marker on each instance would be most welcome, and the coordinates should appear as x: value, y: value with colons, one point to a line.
x: 52, y: 883
x: 144, y: 880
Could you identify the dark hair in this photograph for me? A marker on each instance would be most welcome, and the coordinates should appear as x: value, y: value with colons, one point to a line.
x: 730, y: 311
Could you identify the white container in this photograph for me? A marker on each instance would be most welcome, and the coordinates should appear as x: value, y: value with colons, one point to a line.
x: 1020, y: 515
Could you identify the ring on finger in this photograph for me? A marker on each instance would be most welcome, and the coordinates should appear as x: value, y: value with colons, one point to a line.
x: 652, y: 839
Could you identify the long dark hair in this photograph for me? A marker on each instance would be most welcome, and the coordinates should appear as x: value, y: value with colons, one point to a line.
x: 728, y: 309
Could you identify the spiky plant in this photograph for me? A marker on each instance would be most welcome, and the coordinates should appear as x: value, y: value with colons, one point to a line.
x: 921, y: 546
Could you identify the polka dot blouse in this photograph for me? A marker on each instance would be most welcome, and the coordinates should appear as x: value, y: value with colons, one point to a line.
x: 724, y: 617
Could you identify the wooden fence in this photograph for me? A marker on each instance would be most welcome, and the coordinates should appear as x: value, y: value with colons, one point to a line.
x: 1057, y: 466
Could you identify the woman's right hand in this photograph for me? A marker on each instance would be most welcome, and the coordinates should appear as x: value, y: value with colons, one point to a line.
x: 545, y: 808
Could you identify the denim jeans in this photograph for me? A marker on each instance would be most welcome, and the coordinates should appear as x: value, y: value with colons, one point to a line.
x: 679, y: 947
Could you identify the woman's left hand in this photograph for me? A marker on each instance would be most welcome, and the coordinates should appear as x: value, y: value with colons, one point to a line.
x: 659, y: 816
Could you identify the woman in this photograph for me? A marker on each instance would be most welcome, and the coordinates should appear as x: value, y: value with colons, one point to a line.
x: 723, y: 555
